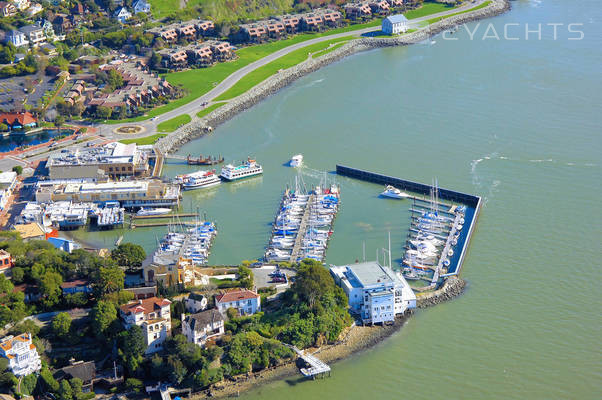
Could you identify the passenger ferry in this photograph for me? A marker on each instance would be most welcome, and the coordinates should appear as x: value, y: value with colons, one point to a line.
x: 246, y: 170
x: 208, y: 179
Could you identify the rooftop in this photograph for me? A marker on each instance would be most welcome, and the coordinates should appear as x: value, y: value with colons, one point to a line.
x: 28, y: 231
x: 110, y: 153
x: 200, y: 320
x: 145, y: 306
x: 235, y: 295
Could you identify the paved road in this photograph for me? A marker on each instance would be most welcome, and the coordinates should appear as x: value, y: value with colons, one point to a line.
x: 194, y: 106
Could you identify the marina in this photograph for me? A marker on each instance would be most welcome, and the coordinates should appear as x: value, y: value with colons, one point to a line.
x: 440, y: 227
x: 66, y: 215
x: 186, y: 243
x: 303, y: 224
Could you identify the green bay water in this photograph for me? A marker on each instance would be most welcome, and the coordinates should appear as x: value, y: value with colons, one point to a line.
x: 517, y: 122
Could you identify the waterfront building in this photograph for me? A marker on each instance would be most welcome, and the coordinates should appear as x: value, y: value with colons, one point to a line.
x: 22, y: 355
x: 153, y: 316
x: 130, y: 194
x: 64, y: 244
x: 395, y: 24
x: 357, y: 10
x: 247, y: 302
x: 18, y: 120
x: 292, y: 23
x: 6, y: 262
x: 114, y: 160
x: 203, y: 326
x: 196, y: 302
x: 254, y: 32
x: 205, y: 27
x: 375, y: 292
x: 8, y: 183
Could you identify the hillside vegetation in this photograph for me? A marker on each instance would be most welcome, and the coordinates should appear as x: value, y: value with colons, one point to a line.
x: 221, y: 10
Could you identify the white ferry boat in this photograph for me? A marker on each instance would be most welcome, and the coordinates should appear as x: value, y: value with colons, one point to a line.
x: 246, y: 170
x: 394, y: 193
x: 153, y: 211
x: 206, y: 180
x: 180, y: 179
x: 296, y: 161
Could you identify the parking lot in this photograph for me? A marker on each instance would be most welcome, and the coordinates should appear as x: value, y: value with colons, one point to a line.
x: 263, y: 278
x: 14, y: 90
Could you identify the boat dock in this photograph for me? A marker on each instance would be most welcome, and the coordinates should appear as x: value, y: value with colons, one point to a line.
x: 182, y: 215
x: 455, y: 218
x: 316, y: 366
x: 302, y: 231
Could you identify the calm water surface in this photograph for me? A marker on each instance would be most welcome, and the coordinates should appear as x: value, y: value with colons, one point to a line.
x: 517, y: 122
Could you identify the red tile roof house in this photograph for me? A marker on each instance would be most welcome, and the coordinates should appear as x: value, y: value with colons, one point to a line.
x: 247, y: 302
x: 357, y: 10
x: 205, y: 27
x: 153, y: 316
x: 167, y: 33
x: 312, y: 22
x: 187, y: 30
x: 221, y: 50
x: 199, y: 54
x: 174, y: 58
x: 292, y: 23
x: 332, y: 18
x: 395, y: 3
x: 379, y: 7
x: 254, y: 32
x: 19, y: 120
x: 276, y: 29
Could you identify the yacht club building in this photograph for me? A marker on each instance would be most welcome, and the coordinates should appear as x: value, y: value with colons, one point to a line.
x: 375, y: 292
x: 130, y: 194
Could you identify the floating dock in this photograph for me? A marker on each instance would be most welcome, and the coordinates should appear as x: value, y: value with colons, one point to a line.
x: 446, y: 208
x: 316, y: 366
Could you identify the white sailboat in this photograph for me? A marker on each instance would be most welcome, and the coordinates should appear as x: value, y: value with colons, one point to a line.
x: 394, y: 193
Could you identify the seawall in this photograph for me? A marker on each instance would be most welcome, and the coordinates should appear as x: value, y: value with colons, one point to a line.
x: 200, y: 126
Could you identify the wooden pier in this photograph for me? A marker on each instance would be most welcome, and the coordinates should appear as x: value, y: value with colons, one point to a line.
x: 183, y: 215
x: 316, y: 366
x: 162, y: 223
x: 302, y: 229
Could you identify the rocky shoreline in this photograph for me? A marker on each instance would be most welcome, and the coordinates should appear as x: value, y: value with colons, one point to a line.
x: 355, y: 340
x: 201, y: 126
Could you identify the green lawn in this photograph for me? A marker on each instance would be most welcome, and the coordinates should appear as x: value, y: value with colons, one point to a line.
x: 327, y: 50
x: 260, y: 74
x: 437, y: 19
x: 144, y: 140
x: 172, y: 124
x: 207, y: 110
x: 428, y: 8
x: 163, y: 8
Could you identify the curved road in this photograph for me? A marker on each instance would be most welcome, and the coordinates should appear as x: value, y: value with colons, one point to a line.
x: 194, y: 106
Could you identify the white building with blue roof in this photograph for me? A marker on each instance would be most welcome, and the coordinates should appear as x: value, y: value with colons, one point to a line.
x: 375, y: 292
x: 395, y: 24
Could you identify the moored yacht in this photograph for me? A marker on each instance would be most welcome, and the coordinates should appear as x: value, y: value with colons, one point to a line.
x: 246, y: 170
x: 394, y: 193
x: 296, y: 161
x: 208, y: 179
x: 153, y: 211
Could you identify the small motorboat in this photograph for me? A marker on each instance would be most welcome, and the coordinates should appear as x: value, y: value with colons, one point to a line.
x: 296, y: 161
x: 394, y: 193
x: 153, y: 211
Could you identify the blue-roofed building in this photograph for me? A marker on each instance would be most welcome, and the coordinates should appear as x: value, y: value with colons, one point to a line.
x: 376, y: 293
x: 63, y: 244
x: 395, y: 24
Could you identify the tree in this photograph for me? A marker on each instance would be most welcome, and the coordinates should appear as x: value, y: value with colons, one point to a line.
x: 133, y: 342
x: 18, y: 169
x: 28, y: 384
x: 108, y: 280
x: 245, y: 277
x: 3, y: 127
x: 114, y: 80
x: 177, y: 370
x: 59, y: 121
x: 129, y: 255
x: 103, y: 314
x: 103, y: 112
x: 50, y: 288
x: 65, y: 391
x: 61, y: 325
x: 134, y: 385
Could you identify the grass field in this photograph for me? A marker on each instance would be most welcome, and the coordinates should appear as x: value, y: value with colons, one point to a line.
x: 172, y: 124
x: 428, y: 8
x: 144, y: 140
x: 437, y: 19
x: 260, y: 74
x: 207, y: 110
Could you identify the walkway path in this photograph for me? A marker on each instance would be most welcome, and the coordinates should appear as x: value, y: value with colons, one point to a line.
x: 196, y: 105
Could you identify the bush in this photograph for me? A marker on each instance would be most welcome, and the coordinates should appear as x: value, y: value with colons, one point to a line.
x: 134, y: 385
x: 18, y: 169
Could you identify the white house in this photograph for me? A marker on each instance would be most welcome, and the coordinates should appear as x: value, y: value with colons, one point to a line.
x: 22, y: 355
x: 247, y: 302
x: 17, y: 38
x: 195, y: 303
x: 201, y: 327
x: 153, y: 316
x: 394, y: 24
x: 8, y: 182
x: 35, y: 8
x: 122, y: 14
x: 34, y: 33
x: 375, y: 292
x: 141, y: 6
